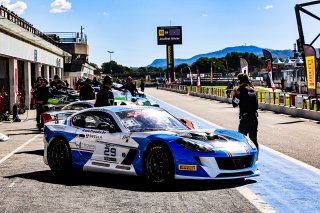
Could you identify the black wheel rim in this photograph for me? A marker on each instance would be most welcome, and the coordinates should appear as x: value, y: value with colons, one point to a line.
x: 158, y: 166
x: 59, y: 156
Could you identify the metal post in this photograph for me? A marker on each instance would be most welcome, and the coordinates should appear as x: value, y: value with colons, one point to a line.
x: 110, y: 51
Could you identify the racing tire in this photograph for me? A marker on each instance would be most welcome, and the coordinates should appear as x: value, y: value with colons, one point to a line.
x: 59, y: 156
x: 158, y: 164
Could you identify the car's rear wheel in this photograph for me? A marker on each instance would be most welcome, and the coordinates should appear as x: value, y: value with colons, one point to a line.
x: 158, y: 164
x: 59, y: 156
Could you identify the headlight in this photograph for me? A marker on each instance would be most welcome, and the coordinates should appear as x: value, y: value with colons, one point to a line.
x: 194, y: 145
x: 252, y: 145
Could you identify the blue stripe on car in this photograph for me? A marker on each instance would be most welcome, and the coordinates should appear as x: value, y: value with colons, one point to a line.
x: 143, y: 143
x: 79, y: 159
x: 48, y: 134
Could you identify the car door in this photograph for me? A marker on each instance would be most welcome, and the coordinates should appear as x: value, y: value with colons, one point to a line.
x: 113, y: 146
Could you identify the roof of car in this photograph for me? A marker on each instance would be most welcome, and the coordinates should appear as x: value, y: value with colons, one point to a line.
x: 121, y: 108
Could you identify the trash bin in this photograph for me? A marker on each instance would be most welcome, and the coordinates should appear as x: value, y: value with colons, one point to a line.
x: 293, y: 99
x: 299, y: 101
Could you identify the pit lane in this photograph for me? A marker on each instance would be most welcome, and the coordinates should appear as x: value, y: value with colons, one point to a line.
x: 26, y: 183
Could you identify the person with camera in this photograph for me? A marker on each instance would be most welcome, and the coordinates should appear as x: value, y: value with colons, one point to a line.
x: 246, y: 98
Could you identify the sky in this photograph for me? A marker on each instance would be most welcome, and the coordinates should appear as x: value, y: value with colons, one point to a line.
x: 129, y: 27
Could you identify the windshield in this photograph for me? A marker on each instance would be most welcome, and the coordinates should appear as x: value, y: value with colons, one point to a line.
x: 149, y: 120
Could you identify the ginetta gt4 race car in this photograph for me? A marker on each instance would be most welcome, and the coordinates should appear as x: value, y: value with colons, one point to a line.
x: 146, y: 141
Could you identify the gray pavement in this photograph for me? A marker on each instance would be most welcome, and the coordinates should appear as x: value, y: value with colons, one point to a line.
x: 27, y: 185
x: 296, y: 137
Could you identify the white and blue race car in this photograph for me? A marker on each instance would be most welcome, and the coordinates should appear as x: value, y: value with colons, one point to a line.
x: 146, y: 141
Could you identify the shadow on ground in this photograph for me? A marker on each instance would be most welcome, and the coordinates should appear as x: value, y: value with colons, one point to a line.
x: 33, y: 152
x: 132, y: 183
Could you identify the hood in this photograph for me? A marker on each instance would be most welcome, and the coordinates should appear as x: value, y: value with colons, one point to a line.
x: 218, y: 138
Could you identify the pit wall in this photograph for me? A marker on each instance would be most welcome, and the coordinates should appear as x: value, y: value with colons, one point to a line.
x: 293, y: 104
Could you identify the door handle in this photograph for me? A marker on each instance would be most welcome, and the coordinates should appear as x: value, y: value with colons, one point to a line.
x: 82, y: 136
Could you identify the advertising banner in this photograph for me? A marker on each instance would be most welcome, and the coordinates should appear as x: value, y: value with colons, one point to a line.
x: 310, y: 59
x: 267, y: 55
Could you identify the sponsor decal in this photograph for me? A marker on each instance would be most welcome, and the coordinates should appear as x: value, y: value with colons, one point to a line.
x: 94, y: 131
x: 236, y: 162
x: 187, y: 167
x: 85, y: 146
x: 90, y: 136
x: 126, y: 138
x: 110, y: 159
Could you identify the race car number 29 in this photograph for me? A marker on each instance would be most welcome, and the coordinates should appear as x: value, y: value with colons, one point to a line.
x: 109, y: 153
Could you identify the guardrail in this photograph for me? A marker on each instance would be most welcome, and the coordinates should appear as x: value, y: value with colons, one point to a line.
x: 292, y: 100
x: 5, y: 13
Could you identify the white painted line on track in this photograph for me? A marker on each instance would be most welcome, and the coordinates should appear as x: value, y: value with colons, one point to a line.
x: 18, y: 149
x: 253, y: 198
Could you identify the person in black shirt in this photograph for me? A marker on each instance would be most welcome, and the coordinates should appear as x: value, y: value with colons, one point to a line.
x: 86, y: 91
x: 142, y: 85
x: 95, y: 82
x: 245, y: 97
x: 57, y: 83
x: 105, y: 95
x: 130, y: 87
x: 42, y: 95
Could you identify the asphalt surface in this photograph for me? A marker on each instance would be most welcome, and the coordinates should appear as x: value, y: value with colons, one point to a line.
x: 27, y: 184
x: 299, y: 138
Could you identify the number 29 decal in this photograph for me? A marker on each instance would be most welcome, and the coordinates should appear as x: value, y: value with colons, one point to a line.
x: 110, y: 151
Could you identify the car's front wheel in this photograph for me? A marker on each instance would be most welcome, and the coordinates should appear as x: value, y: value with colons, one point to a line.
x: 158, y: 164
x: 59, y: 156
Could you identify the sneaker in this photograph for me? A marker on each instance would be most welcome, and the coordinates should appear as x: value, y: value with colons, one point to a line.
x: 17, y: 119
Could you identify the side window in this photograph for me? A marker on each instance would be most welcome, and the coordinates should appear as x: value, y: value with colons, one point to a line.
x: 107, y: 119
x: 94, y: 120
x: 79, y: 120
x: 85, y: 120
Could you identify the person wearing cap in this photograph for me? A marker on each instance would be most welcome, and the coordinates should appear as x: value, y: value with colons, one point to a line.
x: 246, y: 98
x: 105, y: 95
x: 86, y: 91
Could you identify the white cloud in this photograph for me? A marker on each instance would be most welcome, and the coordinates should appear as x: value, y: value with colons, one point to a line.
x: 204, y: 15
x: 268, y: 7
x: 105, y: 14
x: 19, y: 7
x: 60, y: 6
